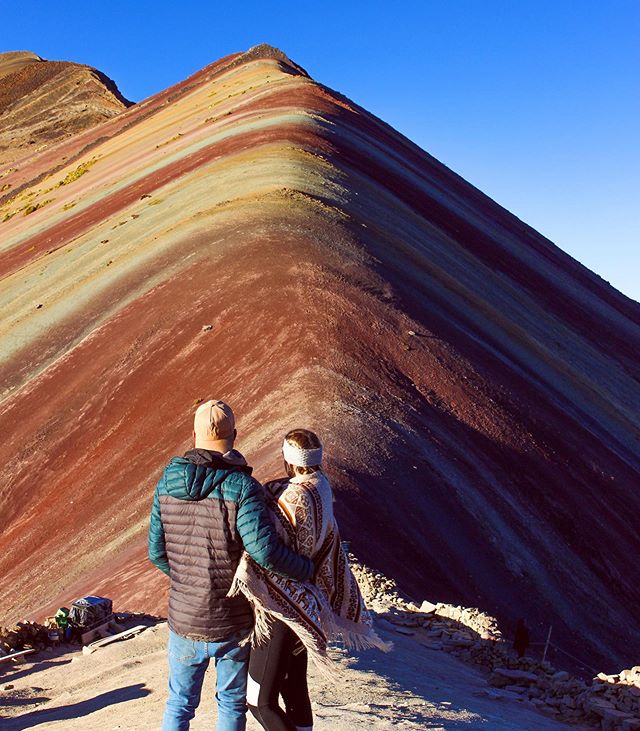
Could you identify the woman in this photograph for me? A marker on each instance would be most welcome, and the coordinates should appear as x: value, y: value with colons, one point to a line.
x: 294, y: 620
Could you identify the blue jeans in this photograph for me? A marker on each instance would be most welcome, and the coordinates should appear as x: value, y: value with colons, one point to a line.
x: 188, y: 662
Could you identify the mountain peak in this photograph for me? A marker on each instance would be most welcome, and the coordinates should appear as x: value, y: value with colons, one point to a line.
x: 42, y: 102
x: 264, y: 50
x: 13, y: 61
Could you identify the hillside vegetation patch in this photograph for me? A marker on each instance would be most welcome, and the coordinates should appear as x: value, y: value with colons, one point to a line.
x: 70, y: 177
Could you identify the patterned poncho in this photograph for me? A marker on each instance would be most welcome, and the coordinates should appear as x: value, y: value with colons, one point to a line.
x: 329, y: 608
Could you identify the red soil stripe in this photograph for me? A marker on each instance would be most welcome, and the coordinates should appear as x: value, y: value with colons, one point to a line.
x: 34, y: 168
x: 61, y: 233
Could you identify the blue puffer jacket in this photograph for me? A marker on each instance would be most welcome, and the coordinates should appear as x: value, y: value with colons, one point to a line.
x: 206, y: 509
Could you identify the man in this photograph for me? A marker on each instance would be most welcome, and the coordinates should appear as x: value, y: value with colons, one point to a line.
x: 206, y: 509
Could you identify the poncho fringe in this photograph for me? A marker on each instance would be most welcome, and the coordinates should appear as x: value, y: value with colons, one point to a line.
x: 332, y: 607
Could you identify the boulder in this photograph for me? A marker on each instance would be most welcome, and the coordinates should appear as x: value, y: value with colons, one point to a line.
x: 608, y: 678
x: 613, y: 719
x: 599, y: 706
x: 428, y: 607
x: 518, y: 676
x: 519, y: 689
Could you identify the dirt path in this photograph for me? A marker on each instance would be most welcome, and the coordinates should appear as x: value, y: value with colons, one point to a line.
x: 122, y: 686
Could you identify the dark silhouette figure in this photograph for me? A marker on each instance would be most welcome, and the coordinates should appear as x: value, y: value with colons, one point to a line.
x: 521, y: 641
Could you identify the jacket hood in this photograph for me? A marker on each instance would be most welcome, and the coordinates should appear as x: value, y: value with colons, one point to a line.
x: 196, y: 475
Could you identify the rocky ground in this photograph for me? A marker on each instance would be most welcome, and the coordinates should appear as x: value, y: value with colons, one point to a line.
x: 607, y: 702
x: 123, y: 686
x: 437, y: 677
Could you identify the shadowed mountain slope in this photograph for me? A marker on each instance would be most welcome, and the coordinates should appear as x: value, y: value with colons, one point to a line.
x: 477, y: 388
x: 42, y: 102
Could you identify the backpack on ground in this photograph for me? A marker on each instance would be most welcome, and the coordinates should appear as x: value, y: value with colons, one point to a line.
x: 90, y: 611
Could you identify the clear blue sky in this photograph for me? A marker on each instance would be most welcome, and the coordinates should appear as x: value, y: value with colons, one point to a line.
x: 536, y: 102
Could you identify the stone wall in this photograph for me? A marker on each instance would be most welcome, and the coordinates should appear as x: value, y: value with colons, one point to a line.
x: 608, y: 702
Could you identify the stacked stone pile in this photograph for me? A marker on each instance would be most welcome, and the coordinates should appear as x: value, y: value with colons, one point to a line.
x: 608, y: 703
x: 553, y: 693
x: 615, y: 699
x: 23, y: 636
x: 28, y: 635
x: 379, y: 592
x: 432, y: 630
x: 483, y: 625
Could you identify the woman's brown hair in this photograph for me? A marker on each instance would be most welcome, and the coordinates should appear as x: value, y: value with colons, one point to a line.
x: 303, y: 439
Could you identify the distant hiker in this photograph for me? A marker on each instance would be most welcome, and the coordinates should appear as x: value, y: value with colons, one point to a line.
x: 521, y: 641
x: 206, y: 509
x: 62, y: 620
x: 295, y: 620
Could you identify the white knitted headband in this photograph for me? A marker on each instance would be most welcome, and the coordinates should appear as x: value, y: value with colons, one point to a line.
x: 301, y: 457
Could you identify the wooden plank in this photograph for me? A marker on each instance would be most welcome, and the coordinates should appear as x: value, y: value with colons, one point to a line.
x: 95, y: 632
x: 16, y: 654
x: 88, y: 649
x: 107, y: 628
